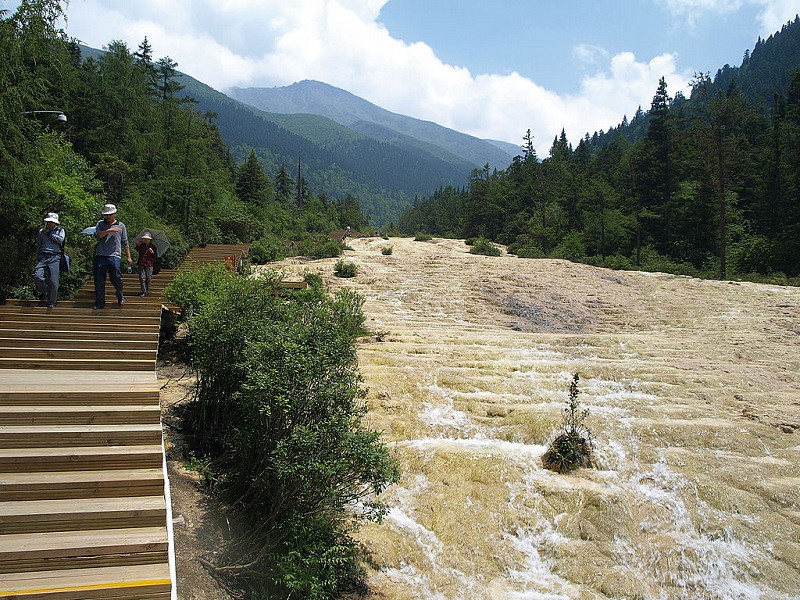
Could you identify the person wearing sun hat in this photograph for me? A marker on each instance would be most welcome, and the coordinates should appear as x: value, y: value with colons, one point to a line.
x: 46, y: 274
x: 112, y: 238
x: 147, y: 259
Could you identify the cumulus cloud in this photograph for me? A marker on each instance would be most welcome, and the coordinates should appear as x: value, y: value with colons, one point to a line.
x: 271, y: 42
x: 772, y: 15
x: 588, y: 54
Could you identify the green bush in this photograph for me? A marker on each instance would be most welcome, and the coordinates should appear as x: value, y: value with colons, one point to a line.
x: 572, y: 447
x: 470, y: 241
x: 267, y: 250
x: 344, y: 268
x: 421, y: 236
x: 193, y: 288
x: 318, y: 248
x: 532, y: 251
x: 386, y: 250
x: 572, y: 247
x: 313, y: 280
x: 278, y: 418
x: 485, y: 247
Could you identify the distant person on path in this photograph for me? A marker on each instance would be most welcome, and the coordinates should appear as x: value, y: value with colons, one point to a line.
x: 112, y: 237
x: 147, y: 259
x: 346, y: 233
x: 46, y: 274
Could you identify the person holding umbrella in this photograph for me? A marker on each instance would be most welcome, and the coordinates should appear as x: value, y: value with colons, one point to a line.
x: 147, y: 259
x: 49, y: 245
x: 112, y: 237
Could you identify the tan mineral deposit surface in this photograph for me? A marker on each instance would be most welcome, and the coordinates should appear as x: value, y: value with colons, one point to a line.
x: 693, y: 390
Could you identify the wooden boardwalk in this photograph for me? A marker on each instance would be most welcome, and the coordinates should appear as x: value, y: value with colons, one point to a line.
x: 83, y: 494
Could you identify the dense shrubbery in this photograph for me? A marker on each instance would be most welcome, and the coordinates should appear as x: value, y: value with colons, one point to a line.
x: 387, y: 250
x: 344, y: 268
x: 421, y: 236
x: 278, y: 420
x: 483, y: 246
x: 318, y: 247
x: 267, y: 250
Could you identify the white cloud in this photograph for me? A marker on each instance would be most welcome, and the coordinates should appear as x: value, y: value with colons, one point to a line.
x: 588, y: 53
x: 772, y: 15
x: 272, y: 42
x: 776, y: 13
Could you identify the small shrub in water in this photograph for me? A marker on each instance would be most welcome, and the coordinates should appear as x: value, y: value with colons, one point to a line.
x: 422, y: 237
x: 485, y: 247
x: 572, y: 447
x: 345, y: 269
x: 386, y: 250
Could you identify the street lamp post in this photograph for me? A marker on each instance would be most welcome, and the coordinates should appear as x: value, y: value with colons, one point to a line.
x: 60, y: 116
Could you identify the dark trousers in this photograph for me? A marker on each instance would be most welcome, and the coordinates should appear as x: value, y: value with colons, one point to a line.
x: 102, y: 265
x: 47, y: 275
x: 145, y: 277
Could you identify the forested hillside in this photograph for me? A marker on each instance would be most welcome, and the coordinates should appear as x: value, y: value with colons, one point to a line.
x: 133, y: 137
x: 708, y: 185
x: 319, y: 98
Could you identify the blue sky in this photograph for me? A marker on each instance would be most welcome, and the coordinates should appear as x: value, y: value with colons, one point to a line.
x: 538, y: 39
x: 488, y: 68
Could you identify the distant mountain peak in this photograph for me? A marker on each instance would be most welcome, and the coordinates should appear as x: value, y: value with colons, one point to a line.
x: 318, y: 98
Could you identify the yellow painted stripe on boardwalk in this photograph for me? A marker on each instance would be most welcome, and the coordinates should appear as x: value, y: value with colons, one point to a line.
x: 86, y: 588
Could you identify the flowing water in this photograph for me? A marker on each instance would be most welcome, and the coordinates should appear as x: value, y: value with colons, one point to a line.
x: 693, y: 390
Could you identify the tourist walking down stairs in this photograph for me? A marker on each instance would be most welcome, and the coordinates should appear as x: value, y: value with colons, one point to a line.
x: 49, y: 245
x: 112, y: 237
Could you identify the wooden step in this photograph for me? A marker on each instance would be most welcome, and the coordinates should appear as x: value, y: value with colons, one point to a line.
x: 98, y: 326
x: 79, y: 415
x: 100, y: 396
x: 83, y: 310
x: 38, y: 460
x: 20, y: 552
x: 77, y: 316
x: 77, y: 364
x: 81, y: 484
x: 150, y: 335
x: 98, y: 350
x: 135, y: 582
x: 77, y: 343
x: 63, y: 436
x: 39, y: 516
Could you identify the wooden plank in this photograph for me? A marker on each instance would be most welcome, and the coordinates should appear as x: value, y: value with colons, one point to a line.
x: 79, y: 415
x: 21, y: 322
x: 76, y: 343
x: 77, y: 316
x: 63, y: 436
x: 54, y: 334
x: 37, y: 460
x: 94, y: 351
x: 112, y: 583
x: 77, y: 364
x: 81, y: 484
x: 70, y: 549
x: 81, y: 399
x: 83, y: 310
x: 39, y: 516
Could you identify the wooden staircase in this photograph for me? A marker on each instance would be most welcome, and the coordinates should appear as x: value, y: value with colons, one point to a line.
x: 83, y: 512
x: 83, y: 493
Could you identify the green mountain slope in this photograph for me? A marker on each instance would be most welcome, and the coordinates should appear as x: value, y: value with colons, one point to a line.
x: 343, y: 107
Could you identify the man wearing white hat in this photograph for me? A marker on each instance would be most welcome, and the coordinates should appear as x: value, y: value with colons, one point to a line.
x: 112, y: 237
x: 46, y: 274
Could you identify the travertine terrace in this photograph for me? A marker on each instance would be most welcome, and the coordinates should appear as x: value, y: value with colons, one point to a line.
x: 693, y: 389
